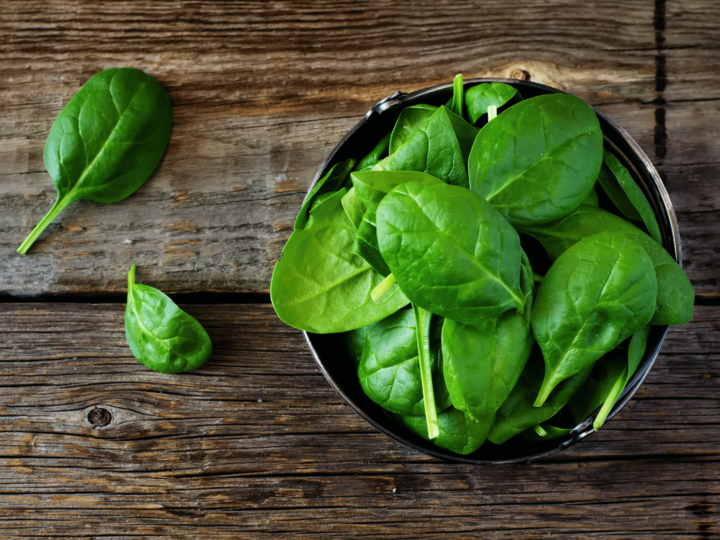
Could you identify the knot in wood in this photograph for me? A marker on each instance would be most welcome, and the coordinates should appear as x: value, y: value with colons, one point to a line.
x: 99, y: 417
x: 520, y: 74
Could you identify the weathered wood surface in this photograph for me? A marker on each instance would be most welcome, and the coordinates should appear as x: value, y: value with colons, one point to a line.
x: 256, y: 444
x: 261, y: 92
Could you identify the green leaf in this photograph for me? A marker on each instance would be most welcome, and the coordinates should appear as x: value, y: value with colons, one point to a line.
x: 354, y: 342
x: 592, y: 199
x: 518, y: 414
x: 539, y: 159
x: 409, y: 121
x: 160, y: 334
x: 439, y: 147
x: 319, y: 285
x: 354, y: 207
x: 389, y: 369
x: 483, y: 361
x: 457, y: 431
x: 107, y: 140
x: 450, y: 251
x: 596, y: 294
x: 372, y: 186
x: 330, y: 183
x: 675, y: 295
x: 480, y: 97
x: 619, y: 185
x: 376, y: 154
x: 366, y: 244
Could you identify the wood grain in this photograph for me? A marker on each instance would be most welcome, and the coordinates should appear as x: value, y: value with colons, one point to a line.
x: 261, y: 92
x: 256, y: 444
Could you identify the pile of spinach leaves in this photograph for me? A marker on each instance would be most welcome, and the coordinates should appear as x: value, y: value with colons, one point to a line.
x: 416, y: 255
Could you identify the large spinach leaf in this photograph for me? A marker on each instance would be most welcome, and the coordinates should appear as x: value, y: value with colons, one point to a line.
x: 324, y: 188
x: 457, y: 431
x: 539, y: 159
x: 483, y: 361
x: 622, y: 190
x: 450, y: 251
x: 160, y: 334
x: 599, y: 292
x: 389, y: 369
x: 480, y: 97
x: 106, y: 141
x: 319, y: 285
x: 439, y: 147
x: 675, y: 295
x: 518, y: 413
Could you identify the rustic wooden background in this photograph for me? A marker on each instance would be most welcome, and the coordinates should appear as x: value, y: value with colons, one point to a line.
x: 256, y: 444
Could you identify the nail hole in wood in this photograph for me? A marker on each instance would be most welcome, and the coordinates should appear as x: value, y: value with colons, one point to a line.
x: 99, y: 417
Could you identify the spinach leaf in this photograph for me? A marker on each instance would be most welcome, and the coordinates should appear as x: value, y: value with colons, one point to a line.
x: 482, y: 96
x: 354, y: 207
x: 366, y: 244
x: 423, y: 320
x: 160, y: 334
x: 539, y: 159
x: 319, y: 285
x: 450, y: 251
x: 636, y: 351
x: 599, y: 292
x: 409, y: 121
x: 107, y: 140
x: 619, y: 185
x: 376, y: 154
x: 483, y: 361
x: 675, y: 295
x: 439, y: 147
x: 457, y: 431
x: 592, y: 198
x: 372, y: 186
x: 518, y: 413
x: 354, y: 342
x: 328, y: 184
x: 389, y: 369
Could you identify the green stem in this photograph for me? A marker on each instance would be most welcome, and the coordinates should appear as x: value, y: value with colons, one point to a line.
x: 422, y: 331
x: 611, y: 399
x: 458, y: 93
x: 382, y: 287
x: 537, y: 278
x: 58, y: 207
x: 540, y: 431
x: 492, y: 112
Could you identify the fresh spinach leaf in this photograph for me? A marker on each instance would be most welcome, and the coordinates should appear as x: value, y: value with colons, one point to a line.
x: 622, y: 190
x: 160, y: 334
x: 409, y: 121
x: 319, y: 285
x: 675, y: 295
x: 480, y: 97
x: 457, y: 431
x: 354, y: 342
x: 518, y: 413
x: 598, y: 293
x: 354, y: 207
x: 328, y: 184
x: 450, y: 251
x: 389, y: 369
x: 483, y: 361
x: 439, y: 147
x: 366, y: 244
x: 375, y: 156
x: 372, y: 186
x: 539, y: 159
x: 107, y: 141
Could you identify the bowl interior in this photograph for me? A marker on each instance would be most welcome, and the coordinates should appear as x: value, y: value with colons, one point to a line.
x: 337, y: 366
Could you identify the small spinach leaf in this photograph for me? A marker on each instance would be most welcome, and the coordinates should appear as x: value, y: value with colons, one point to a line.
x: 480, y: 97
x: 389, y: 369
x: 319, y: 285
x: 375, y: 156
x: 327, y: 185
x: 160, y: 334
x: 107, y: 140
x: 409, y: 121
x: 457, y: 431
x: 675, y: 295
x: 354, y: 207
x: 619, y: 185
x: 538, y: 160
x: 450, y: 251
x: 599, y: 292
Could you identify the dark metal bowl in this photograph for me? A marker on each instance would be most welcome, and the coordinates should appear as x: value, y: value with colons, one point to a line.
x: 337, y: 366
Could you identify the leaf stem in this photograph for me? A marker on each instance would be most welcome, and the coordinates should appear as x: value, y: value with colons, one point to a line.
x: 456, y: 105
x: 58, y: 207
x: 611, y: 399
x: 422, y: 331
x: 382, y: 287
x: 539, y: 430
x: 537, y: 278
x: 492, y: 112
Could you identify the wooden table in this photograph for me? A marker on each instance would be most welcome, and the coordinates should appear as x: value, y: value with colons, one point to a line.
x: 257, y: 444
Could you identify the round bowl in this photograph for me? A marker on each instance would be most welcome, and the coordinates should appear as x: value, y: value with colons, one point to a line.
x: 329, y: 351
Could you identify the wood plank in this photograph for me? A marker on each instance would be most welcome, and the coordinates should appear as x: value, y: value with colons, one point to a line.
x: 261, y: 92
x: 692, y: 114
x: 256, y: 444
